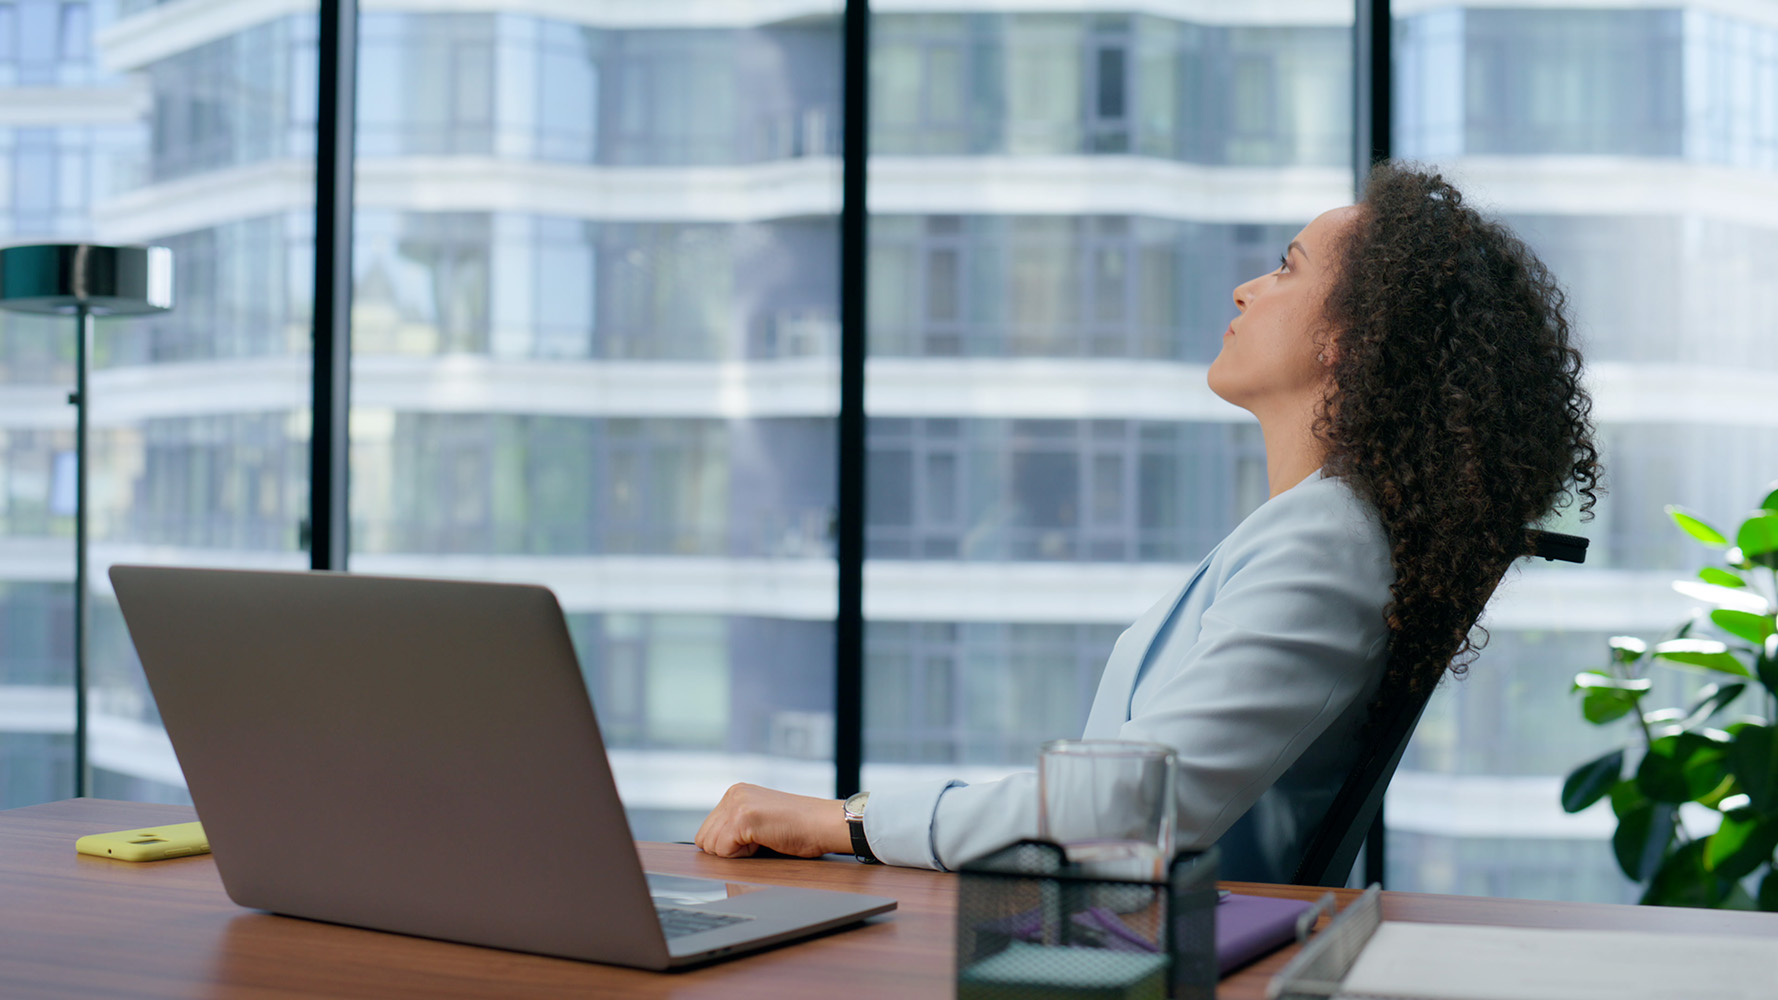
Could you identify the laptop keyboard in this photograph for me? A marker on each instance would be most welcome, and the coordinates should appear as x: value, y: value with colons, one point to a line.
x: 678, y: 922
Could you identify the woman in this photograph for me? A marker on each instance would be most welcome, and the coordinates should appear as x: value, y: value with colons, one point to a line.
x: 1420, y: 401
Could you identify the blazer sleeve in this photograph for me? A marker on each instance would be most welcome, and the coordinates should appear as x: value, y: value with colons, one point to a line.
x: 1291, y: 637
x: 906, y: 826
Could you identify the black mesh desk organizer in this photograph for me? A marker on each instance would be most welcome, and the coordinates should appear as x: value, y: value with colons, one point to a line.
x: 1031, y: 924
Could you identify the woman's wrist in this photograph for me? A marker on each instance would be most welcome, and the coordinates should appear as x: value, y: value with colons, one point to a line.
x: 836, y: 832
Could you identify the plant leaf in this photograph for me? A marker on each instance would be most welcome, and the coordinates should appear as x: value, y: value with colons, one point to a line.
x: 1741, y: 599
x: 1753, y: 756
x: 1758, y: 539
x: 1713, y: 698
x: 1641, y: 839
x: 1682, y: 767
x: 1766, y: 666
x: 1721, y: 577
x: 1740, y: 624
x: 1716, y: 796
x: 1736, y: 899
x: 1589, y: 679
x: 1693, y: 526
x: 1682, y: 880
x: 1626, y: 648
x: 1604, y: 705
x: 1741, y: 844
x: 1770, y: 502
x: 1608, y: 698
x: 1768, y: 891
x: 1706, y: 653
x: 1589, y: 782
x: 1626, y: 798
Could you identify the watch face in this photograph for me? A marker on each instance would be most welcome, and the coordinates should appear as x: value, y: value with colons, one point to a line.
x: 855, y: 804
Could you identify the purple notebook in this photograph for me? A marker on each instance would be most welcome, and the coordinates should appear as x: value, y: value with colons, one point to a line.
x: 1248, y: 927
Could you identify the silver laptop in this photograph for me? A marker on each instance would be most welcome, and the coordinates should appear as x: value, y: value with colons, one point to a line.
x: 421, y: 756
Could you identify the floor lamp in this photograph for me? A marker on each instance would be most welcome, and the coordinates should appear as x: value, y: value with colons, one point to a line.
x: 83, y: 281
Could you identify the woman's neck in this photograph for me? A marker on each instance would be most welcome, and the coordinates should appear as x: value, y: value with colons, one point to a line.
x: 1293, y: 452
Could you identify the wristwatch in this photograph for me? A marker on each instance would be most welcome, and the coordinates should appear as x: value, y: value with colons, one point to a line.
x: 855, y: 823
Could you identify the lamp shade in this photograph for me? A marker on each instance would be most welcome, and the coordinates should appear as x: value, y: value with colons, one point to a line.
x: 59, y: 278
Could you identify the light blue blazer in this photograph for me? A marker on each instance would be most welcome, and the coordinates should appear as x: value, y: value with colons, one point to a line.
x: 1258, y: 672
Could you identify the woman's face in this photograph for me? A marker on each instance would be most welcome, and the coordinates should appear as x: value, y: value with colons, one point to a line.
x: 1269, y: 360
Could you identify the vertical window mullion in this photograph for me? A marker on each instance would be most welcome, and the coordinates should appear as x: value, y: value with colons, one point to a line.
x: 329, y: 448
x: 1372, y: 140
x: 850, y: 524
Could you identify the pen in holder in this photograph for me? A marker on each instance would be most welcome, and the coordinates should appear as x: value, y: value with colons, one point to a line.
x: 1032, y: 924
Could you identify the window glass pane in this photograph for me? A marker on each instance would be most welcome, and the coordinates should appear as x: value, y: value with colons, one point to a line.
x: 9, y: 41
x: 944, y: 84
x: 1015, y: 348
x: 941, y: 285
x: 941, y: 487
x: 1108, y: 489
x: 1108, y: 285
x: 590, y: 353
x: 1634, y: 150
x: 1111, y: 83
x: 76, y: 30
x: 182, y: 137
x: 891, y: 492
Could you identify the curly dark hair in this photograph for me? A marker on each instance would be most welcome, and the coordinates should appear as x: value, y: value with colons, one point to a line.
x: 1457, y: 411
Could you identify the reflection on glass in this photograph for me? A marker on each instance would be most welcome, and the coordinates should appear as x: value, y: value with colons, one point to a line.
x: 1104, y: 286
x: 193, y: 140
x: 1274, y: 92
x: 1040, y: 430
x: 595, y: 333
x: 1629, y: 147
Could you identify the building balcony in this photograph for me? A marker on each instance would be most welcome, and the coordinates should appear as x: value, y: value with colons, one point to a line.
x: 1023, y: 388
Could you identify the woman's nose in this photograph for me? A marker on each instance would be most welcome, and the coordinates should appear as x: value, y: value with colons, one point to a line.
x: 1244, y: 294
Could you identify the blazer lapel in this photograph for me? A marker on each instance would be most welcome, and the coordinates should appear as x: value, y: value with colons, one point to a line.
x: 1111, y: 706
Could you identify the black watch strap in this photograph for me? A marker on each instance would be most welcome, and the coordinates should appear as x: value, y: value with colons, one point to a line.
x: 854, y: 808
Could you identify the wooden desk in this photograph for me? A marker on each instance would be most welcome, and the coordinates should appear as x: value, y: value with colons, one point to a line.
x: 75, y: 926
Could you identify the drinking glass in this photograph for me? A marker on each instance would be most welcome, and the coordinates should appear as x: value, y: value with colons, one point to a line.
x: 1109, y: 804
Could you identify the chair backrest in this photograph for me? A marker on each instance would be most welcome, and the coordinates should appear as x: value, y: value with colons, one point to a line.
x: 1330, y: 854
x: 1329, y: 857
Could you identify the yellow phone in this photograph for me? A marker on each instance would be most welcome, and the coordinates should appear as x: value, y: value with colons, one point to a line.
x: 154, y: 843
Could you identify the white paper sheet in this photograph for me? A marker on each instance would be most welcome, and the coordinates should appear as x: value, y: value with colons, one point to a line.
x: 1459, y: 962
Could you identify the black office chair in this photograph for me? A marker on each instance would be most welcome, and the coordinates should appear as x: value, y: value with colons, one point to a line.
x: 1356, y: 811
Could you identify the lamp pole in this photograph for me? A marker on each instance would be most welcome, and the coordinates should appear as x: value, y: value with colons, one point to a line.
x: 83, y: 342
x: 85, y: 281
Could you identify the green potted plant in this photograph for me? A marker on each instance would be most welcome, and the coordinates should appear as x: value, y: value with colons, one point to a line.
x: 1720, y: 751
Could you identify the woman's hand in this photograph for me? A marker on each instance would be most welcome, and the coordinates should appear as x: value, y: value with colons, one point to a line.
x: 750, y: 817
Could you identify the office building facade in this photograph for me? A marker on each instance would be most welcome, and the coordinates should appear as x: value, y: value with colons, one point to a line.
x: 595, y: 346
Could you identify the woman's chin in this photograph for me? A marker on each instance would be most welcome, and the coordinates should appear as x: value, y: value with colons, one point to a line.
x: 1218, y: 382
